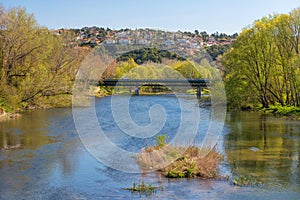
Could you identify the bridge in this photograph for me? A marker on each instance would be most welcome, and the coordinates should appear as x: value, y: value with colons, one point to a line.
x: 195, y: 83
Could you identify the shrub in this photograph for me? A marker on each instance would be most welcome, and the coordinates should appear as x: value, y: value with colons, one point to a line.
x: 192, y: 165
x: 184, y: 164
x: 160, y: 141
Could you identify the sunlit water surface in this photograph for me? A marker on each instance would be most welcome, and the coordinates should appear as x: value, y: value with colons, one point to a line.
x: 53, y: 164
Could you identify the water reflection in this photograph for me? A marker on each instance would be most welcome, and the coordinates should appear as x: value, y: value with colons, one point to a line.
x: 49, y: 151
x: 29, y: 131
x: 52, y: 164
x: 265, y: 147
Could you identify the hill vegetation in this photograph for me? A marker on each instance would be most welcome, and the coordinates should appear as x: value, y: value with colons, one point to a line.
x: 149, y: 54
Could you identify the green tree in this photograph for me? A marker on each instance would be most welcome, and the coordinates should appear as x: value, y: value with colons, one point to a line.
x: 187, y: 69
x: 262, y: 65
x: 295, y: 26
x: 215, y: 50
x: 204, y: 35
x: 251, y: 57
x: 36, y: 63
x: 125, y: 68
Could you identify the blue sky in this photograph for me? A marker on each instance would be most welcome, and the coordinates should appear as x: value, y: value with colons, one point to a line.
x: 227, y: 16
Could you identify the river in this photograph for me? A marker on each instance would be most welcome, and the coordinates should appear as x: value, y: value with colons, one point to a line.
x: 54, y: 164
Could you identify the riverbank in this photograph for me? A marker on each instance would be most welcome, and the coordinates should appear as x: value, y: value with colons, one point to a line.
x: 6, y: 116
x: 291, y: 112
x: 7, y: 112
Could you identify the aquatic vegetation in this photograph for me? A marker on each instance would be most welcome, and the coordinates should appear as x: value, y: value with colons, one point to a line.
x: 143, y: 188
x: 185, y: 162
x: 193, y: 165
x: 160, y: 140
x: 245, y: 181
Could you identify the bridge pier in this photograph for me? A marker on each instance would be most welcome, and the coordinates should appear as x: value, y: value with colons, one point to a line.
x: 198, y: 93
x: 137, y: 91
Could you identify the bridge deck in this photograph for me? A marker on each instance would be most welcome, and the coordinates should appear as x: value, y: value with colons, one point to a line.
x: 155, y: 82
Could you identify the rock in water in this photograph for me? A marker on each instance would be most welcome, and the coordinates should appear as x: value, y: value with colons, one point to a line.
x: 254, y: 149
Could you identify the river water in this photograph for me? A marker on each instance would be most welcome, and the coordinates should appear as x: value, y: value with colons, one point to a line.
x: 53, y: 163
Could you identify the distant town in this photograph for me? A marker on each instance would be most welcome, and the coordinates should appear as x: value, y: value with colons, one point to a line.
x: 215, y: 44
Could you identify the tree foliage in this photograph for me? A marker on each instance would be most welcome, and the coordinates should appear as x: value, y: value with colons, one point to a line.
x: 262, y: 67
x: 36, y: 64
x: 215, y: 50
x: 155, y: 55
x: 175, y: 70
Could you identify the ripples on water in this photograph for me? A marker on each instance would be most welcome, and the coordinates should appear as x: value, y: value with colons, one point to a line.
x: 53, y: 164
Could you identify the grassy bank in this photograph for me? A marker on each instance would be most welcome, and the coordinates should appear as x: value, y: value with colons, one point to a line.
x: 11, y: 111
x: 290, y: 111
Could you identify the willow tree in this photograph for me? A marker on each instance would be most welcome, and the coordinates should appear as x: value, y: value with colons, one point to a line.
x: 295, y: 63
x: 252, y: 57
x: 35, y: 61
x: 261, y: 65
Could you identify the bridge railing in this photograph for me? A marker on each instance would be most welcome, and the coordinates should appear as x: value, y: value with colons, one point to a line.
x: 155, y: 82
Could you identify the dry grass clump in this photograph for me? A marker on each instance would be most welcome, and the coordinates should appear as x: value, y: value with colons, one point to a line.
x: 188, y: 162
x: 193, y: 165
x: 157, y: 157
